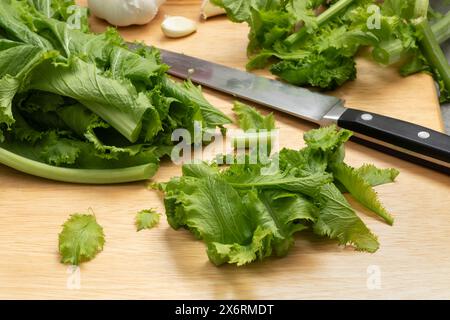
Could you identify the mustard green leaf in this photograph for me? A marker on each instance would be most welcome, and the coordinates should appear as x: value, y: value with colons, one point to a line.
x: 78, y: 103
x: 249, y: 118
x: 326, y: 138
x: 337, y: 220
x: 375, y: 176
x: 361, y: 190
x: 244, y: 215
x: 81, y: 239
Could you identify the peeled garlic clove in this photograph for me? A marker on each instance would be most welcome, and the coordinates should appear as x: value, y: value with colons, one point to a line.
x: 177, y: 26
x: 209, y: 10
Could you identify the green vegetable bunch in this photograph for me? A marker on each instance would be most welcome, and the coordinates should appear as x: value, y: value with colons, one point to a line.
x: 314, y: 42
x: 244, y: 214
x: 81, y: 107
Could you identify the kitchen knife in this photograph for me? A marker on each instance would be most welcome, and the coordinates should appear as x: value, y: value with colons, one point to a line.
x: 396, y: 137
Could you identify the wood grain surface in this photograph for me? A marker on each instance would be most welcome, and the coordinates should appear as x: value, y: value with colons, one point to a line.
x: 413, y: 260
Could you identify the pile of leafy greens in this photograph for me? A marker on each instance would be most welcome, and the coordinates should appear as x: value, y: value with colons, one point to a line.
x: 244, y: 214
x: 82, y: 107
x: 314, y: 42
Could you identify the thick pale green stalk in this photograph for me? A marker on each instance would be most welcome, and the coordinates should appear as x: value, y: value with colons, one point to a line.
x: 327, y: 15
x: 253, y: 139
x: 87, y: 176
x: 441, y: 29
x: 421, y: 8
x: 433, y: 52
x: 391, y: 52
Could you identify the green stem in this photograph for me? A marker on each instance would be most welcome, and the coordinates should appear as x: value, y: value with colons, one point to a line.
x: 253, y: 140
x: 421, y: 8
x: 390, y: 52
x: 441, y: 29
x: 323, y: 18
x: 333, y: 11
x: 87, y: 176
x: 433, y: 52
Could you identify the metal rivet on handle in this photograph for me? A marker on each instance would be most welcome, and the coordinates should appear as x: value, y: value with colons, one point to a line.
x: 367, y: 117
x: 423, y: 135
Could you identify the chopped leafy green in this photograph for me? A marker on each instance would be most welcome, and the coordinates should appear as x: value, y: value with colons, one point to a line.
x: 241, y: 177
x: 305, y: 49
x: 375, y: 177
x: 188, y: 94
x: 147, y: 219
x: 408, y: 38
x: 437, y: 59
x: 310, y: 47
x: 259, y: 130
x: 326, y: 139
x: 81, y: 239
x: 360, y: 190
x: 78, y: 103
x: 249, y: 118
x: 317, y: 70
x: 238, y: 11
x: 244, y: 215
x: 337, y: 220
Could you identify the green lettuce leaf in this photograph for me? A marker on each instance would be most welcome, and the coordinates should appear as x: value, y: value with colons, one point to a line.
x: 283, y: 213
x: 13, y: 75
x: 188, y: 94
x: 251, y: 176
x: 310, y: 47
x: 14, y: 28
x: 375, y: 177
x: 58, y: 151
x: 201, y: 170
x: 249, y: 118
x: 116, y: 102
x: 237, y: 229
x: 338, y: 220
x: 326, y: 71
x: 79, y: 103
x: 361, y: 190
x: 81, y: 239
x: 238, y: 11
x: 244, y: 214
x: 303, y: 12
x: 327, y: 138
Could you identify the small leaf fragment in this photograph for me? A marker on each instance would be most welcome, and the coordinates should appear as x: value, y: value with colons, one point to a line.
x: 147, y: 219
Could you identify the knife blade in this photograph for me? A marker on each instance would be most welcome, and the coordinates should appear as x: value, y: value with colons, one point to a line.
x: 393, y: 136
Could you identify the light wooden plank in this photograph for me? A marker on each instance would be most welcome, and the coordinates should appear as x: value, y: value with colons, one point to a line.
x: 163, y: 263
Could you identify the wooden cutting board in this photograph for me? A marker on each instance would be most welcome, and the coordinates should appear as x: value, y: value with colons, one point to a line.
x: 413, y: 261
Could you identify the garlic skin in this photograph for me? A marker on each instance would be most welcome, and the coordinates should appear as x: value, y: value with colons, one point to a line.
x: 177, y: 26
x: 124, y: 13
x: 209, y: 10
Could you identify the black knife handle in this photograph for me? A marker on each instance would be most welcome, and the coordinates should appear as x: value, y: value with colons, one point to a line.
x: 400, y: 138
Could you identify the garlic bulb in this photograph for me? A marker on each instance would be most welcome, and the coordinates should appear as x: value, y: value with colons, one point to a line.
x: 209, y: 10
x: 125, y: 12
x: 177, y: 26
